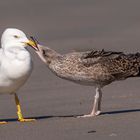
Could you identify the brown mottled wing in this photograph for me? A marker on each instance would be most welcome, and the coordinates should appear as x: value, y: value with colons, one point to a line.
x: 117, y: 64
x: 122, y: 67
x: 93, y: 57
x: 101, y: 53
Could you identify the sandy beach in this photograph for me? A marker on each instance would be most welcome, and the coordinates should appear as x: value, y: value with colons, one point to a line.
x: 68, y: 25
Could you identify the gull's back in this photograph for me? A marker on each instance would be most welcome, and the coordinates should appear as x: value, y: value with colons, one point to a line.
x: 96, y: 67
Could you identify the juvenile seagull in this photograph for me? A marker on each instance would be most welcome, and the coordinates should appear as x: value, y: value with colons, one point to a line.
x: 92, y: 68
x: 15, y: 64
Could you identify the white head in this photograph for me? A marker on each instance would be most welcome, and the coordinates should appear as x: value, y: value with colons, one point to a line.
x: 12, y: 37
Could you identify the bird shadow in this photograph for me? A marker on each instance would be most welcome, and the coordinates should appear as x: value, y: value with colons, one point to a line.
x: 114, y: 112
x: 16, y: 119
x: 71, y: 116
x: 37, y: 118
x: 121, y: 111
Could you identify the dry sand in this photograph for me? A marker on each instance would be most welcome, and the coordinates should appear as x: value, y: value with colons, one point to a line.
x: 68, y: 25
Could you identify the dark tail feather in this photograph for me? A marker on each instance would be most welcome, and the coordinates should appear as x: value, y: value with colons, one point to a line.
x: 136, y: 55
x: 138, y: 75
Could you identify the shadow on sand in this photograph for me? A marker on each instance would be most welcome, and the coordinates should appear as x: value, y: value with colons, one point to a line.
x: 121, y: 111
x: 37, y: 118
x: 72, y: 116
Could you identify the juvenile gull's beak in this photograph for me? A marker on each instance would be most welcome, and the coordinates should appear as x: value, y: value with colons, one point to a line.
x: 42, y: 53
x: 32, y: 42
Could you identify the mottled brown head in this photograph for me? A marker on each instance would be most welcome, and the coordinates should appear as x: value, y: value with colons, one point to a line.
x: 46, y: 54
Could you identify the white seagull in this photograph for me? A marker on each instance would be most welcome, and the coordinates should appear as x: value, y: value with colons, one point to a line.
x: 15, y: 64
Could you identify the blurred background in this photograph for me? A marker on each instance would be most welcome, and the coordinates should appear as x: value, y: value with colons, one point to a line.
x: 72, y: 24
x: 67, y: 25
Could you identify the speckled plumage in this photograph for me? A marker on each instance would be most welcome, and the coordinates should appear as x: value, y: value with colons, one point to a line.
x: 93, y: 68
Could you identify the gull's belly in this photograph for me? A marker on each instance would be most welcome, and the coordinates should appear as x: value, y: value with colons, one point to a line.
x: 92, y: 77
x: 13, y: 75
x: 11, y: 85
x: 82, y: 80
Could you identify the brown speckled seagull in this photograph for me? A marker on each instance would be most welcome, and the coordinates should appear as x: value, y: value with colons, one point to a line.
x: 92, y: 68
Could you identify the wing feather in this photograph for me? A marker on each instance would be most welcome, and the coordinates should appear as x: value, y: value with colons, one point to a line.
x: 119, y: 65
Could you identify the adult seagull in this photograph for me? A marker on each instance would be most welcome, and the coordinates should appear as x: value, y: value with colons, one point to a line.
x: 15, y: 64
x: 96, y: 68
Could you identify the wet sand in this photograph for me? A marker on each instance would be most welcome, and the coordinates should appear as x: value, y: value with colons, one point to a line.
x: 68, y: 25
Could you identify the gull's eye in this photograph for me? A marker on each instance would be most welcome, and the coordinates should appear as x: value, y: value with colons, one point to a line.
x: 15, y: 36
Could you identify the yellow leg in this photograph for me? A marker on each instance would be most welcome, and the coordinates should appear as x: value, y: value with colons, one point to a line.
x: 3, y: 122
x: 19, y: 113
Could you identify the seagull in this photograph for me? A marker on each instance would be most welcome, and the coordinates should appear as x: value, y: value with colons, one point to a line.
x: 15, y: 65
x: 96, y: 68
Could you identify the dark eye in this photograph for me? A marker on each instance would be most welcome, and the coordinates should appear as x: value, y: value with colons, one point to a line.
x: 15, y: 36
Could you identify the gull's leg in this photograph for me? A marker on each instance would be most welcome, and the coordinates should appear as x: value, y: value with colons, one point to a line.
x: 99, y: 102
x: 19, y: 113
x: 96, y: 105
x: 3, y: 122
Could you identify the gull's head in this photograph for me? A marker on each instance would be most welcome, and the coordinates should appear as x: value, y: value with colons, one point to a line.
x: 12, y: 37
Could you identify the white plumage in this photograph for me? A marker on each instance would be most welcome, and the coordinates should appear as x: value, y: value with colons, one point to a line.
x: 15, y: 64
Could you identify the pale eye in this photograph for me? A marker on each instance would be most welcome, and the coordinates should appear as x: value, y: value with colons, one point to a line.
x: 15, y: 36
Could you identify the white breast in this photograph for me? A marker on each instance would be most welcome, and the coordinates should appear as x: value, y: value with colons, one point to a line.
x: 14, y: 71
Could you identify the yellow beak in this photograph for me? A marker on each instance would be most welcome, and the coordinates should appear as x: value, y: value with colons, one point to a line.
x: 33, y: 44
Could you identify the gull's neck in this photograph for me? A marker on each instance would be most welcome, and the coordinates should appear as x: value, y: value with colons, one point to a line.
x: 17, y: 52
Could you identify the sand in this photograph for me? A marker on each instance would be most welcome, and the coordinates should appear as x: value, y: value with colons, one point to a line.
x: 68, y: 25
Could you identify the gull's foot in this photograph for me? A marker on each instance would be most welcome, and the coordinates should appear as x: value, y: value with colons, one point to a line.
x: 90, y: 115
x: 26, y: 120
x: 97, y: 113
x: 3, y: 122
x: 86, y: 116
